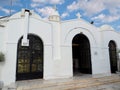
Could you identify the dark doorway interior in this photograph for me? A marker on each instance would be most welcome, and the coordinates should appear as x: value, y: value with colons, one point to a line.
x: 81, y: 55
x: 113, y: 56
x: 30, y: 59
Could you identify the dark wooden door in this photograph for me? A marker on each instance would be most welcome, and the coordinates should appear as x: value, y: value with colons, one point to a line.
x: 113, y: 56
x: 81, y: 54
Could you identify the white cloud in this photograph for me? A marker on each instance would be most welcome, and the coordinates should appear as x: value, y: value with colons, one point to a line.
x: 91, y: 7
x: 56, y: 1
x: 33, y: 5
x: 7, y: 11
x: 101, y: 16
x: 45, y: 12
x: 106, y: 18
x: 73, y: 6
x: 118, y: 27
x: 40, y: 2
x: 64, y: 15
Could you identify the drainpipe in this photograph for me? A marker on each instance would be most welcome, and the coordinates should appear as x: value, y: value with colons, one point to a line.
x: 25, y: 41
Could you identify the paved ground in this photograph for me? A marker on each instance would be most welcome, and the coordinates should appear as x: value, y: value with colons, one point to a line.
x: 83, y: 82
x: 112, y: 86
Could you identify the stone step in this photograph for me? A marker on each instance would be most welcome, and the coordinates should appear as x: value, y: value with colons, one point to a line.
x: 65, y: 84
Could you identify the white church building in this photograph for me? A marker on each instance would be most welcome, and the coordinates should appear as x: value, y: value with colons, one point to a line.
x: 35, y: 48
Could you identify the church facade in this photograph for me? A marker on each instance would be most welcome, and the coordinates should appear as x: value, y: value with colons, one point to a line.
x: 48, y: 49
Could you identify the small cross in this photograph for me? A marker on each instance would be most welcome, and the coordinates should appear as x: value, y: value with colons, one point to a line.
x: 78, y: 15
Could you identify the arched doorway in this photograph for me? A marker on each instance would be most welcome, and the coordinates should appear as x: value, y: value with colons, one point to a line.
x: 81, y: 55
x: 113, y: 56
x: 30, y: 59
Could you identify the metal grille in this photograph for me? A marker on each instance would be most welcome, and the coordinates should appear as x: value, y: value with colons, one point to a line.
x: 30, y: 59
x: 113, y: 56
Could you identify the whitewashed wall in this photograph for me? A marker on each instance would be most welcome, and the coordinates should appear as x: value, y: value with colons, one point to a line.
x: 14, y: 31
x: 2, y: 39
x: 58, y: 63
x: 107, y: 36
x: 71, y: 28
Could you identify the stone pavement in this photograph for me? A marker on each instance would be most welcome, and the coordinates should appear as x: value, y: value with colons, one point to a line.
x: 76, y: 83
x: 112, y: 86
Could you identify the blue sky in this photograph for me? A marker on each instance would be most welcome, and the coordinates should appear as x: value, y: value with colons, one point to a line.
x: 99, y: 11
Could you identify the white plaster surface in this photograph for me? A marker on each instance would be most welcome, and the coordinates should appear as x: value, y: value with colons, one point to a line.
x: 57, y: 40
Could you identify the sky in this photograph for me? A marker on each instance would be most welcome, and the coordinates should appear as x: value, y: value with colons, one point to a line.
x: 100, y: 11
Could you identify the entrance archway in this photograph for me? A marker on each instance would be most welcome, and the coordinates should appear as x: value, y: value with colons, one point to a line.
x: 30, y: 59
x: 113, y: 56
x: 81, y: 55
